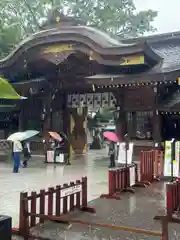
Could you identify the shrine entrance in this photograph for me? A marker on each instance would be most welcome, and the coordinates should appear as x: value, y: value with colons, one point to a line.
x: 78, y: 105
x: 67, y: 68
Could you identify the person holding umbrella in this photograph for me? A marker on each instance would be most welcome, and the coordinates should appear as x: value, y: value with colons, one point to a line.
x: 55, y: 139
x: 112, y: 155
x: 113, y: 138
x: 17, y: 149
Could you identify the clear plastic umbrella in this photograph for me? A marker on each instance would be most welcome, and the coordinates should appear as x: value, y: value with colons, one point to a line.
x: 18, y: 136
x: 21, y: 136
x: 30, y: 133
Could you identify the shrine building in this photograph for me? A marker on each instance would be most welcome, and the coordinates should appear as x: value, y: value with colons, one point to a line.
x: 68, y: 67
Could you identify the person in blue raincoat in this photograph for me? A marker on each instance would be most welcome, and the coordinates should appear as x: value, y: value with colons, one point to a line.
x: 17, y: 150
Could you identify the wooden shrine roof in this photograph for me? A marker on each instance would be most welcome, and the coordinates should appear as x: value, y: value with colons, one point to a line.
x: 162, y: 52
x: 83, y: 38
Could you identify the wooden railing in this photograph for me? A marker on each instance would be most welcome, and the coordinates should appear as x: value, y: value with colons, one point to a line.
x: 54, y: 202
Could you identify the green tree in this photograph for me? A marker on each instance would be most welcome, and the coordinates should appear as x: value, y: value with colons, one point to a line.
x: 20, y: 18
x: 105, y: 115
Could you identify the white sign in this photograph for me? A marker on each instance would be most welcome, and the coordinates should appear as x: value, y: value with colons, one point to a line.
x: 122, y: 153
x: 132, y: 176
x: 71, y: 190
x: 168, y: 160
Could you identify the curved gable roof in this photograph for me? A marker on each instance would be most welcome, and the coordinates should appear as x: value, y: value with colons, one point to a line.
x: 94, y: 39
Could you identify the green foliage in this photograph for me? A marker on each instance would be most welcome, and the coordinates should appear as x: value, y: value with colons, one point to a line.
x: 101, y: 117
x: 105, y: 115
x: 20, y: 18
x: 7, y: 91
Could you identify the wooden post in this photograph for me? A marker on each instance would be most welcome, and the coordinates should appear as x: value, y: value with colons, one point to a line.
x: 26, y: 222
x: 169, y: 200
x: 78, y: 196
x: 42, y: 204
x: 50, y: 201
x: 22, y: 217
x: 121, y: 126
x: 164, y: 227
x: 85, y: 206
x: 71, y: 198
x: 33, y: 209
x: 65, y: 201
x: 157, y: 129
x: 84, y: 192
x: 58, y: 201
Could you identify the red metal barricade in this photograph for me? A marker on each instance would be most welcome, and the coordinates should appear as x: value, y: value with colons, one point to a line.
x: 151, y: 169
x: 151, y: 166
x: 172, y: 199
x: 120, y: 179
x: 56, y: 202
x: 172, y: 202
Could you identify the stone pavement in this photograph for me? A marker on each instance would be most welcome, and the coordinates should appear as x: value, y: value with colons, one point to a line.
x: 133, y: 210
x: 39, y: 175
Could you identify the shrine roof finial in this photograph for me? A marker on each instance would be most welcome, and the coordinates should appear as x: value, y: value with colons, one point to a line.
x: 56, y: 18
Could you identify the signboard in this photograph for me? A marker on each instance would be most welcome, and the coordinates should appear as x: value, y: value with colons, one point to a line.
x: 122, y: 153
x: 132, y: 176
x: 91, y: 100
x: 71, y: 190
x: 58, y: 48
x: 132, y: 60
x: 167, y: 159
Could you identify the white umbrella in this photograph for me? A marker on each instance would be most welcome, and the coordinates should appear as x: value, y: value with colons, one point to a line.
x: 21, y: 136
x: 30, y: 134
x: 18, y: 136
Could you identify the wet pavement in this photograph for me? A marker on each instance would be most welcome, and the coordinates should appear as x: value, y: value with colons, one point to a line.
x: 41, y: 176
x: 134, y: 210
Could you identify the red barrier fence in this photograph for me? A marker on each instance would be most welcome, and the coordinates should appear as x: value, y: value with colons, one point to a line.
x: 172, y: 202
x: 120, y: 179
x: 57, y: 201
x: 124, y: 178
x: 151, y: 166
x: 172, y: 198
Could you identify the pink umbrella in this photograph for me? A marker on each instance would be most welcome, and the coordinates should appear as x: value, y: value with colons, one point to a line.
x: 56, y: 136
x: 111, y: 136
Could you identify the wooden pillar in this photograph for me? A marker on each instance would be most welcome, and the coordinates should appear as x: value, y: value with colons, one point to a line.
x: 47, y: 123
x: 77, y: 130
x: 121, y: 126
x: 156, y: 121
x: 66, y: 128
x: 156, y: 127
x: 21, y: 119
x: 22, y: 114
